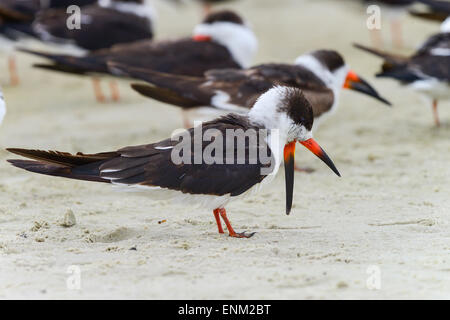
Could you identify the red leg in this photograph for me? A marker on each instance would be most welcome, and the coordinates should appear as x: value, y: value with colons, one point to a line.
x: 231, y: 232
x: 377, y: 40
x: 435, y: 113
x: 98, y: 90
x: 115, y: 95
x: 13, y: 76
x: 396, y: 29
x: 219, y: 223
x: 186, y: 121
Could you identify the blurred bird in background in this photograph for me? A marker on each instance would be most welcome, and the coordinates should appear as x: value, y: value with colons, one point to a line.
x: 16, y: 18
x: 426, y: 71
x: 222, y: 40
x: 320, y: 74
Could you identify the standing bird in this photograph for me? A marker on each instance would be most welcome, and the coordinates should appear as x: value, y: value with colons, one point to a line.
x: 426, y: 71
x: 16, y: 19
x: 222, y: 40
x: 320, y: 75
x: 102, y: 25
x: 15, y: 24
x: 280, y: 117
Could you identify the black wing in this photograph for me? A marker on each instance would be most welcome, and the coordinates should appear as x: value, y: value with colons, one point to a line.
x: 152, y: 165
x: 181, y: 56
x: 100, y: 27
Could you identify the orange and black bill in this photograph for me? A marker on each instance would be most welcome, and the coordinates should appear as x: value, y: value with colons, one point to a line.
x: 356, y: 83
x: 289, y: 154
x: 314, y: 147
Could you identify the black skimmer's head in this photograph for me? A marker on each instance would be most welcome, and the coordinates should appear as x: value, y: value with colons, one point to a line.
x: 331, y: 68
x: 230, y: 30
x: 287, y: 111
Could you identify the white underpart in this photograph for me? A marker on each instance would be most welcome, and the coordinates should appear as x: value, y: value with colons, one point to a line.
x: 220, y: 100
x: 205, y: 201
x: 238, y: 39
x: 8, y: 46
x: 433, y: 88
x: 144, y: 10
x: 2, y: 107
x: 445, y: 26
x: 164, y: 148
x: 444, y: 52
x: 333, y: 80
x: 62, y: 46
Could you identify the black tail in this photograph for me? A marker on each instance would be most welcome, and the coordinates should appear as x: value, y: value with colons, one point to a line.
x: 68, y: 64
x: 394, y: 66
x: 433, y: 16
x: 164, y: 95
x: 388, y: 57
x: 62, y: 164
x: 178, y: 90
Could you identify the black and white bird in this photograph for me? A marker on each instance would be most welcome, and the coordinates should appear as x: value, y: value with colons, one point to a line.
x: 222, y: 40
x: 15, y: 25
x: 102, y: 26
x: 280, y: 117
x: 426, y: 71
x: 321, y: 75
x: 16, y: 18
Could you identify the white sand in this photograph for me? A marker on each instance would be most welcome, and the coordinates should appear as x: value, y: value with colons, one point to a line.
x: 389, y: 212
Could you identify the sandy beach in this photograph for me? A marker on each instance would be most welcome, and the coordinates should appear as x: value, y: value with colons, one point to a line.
x: 381, y: 231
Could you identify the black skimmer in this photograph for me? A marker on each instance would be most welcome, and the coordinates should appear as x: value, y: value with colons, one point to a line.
x: 16, y: 18
x: 320, y: 74
x: 198, y: 172
x: 222, y: 40
x: 15, y: 23
x: 125, y: 21
x: 426, y: 71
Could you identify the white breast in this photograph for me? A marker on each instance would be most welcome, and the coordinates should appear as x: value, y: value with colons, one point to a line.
x: 2, y: 108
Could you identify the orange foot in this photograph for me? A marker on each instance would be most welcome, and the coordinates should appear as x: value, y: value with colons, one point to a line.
x: 232, y: 233
x: 242, y: 235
